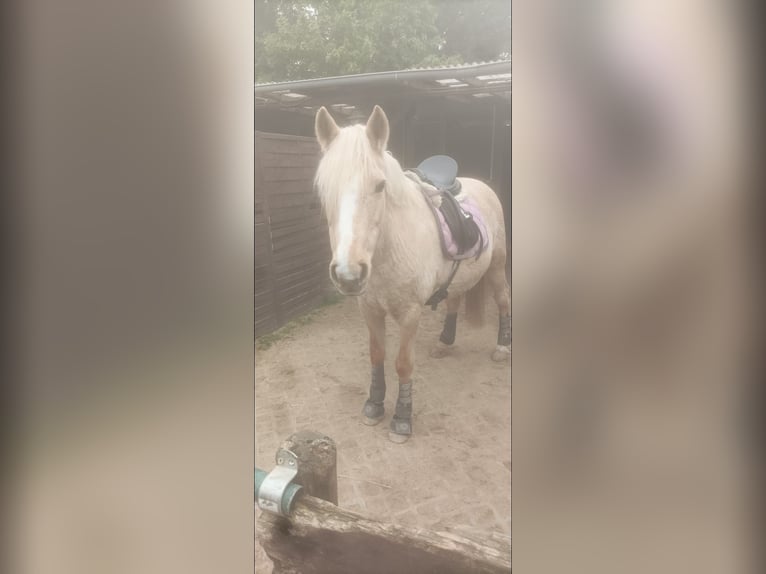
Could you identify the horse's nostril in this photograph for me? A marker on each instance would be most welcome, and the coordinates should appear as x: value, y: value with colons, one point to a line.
x: 333, y: 274
x: 362, y: 272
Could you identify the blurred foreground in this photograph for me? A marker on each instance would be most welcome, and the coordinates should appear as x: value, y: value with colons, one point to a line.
x: 634, y: 288
x: 131, y: 432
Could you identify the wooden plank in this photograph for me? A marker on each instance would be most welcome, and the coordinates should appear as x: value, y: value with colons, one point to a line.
x: 283, y: 160
x: 299, y: 300
x: 263, y: 254
x: 271, y: 188
x: 286, y: 146
x: 265, y: 326
x: 268, y: 256
x: 320, y: 538
x: 319, y: 245
x: 270, y: 136
x: 287, y: 264
x: 304, y: 224
x: 265, y: 316
x: 306, y: 236
x: 308, y: 298
x: 316, y: 241
x: 291, y: 200
x: 308, y: 253
x: 318, y: 270
x: 308, y: 284
x: 262, y: 283
x: 289, y: 147
x: 265, y: 309
x: 291, y: 216
x: 294, y: 150
x: 262, y: 232
x: 314, y: 266
x: 263, y: 289
x: 288, y: 173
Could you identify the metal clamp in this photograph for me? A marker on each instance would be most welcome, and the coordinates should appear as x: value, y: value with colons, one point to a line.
x: 275, y: 492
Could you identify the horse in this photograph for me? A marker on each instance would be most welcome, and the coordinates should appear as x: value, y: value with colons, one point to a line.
x: 386, y: 251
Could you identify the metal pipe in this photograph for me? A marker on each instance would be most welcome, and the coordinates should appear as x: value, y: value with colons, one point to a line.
x: 288, y: 498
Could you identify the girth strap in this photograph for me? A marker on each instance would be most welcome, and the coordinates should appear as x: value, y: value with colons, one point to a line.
x: 441, y: 293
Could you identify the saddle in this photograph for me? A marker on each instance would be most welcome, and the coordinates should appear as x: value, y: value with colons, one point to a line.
x: 459, y: 232
x: 462, y: 232
x: 441, y: 172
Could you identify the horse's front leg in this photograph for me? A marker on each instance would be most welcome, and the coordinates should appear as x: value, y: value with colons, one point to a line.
x: 376, y: 324
x: 401, y: 423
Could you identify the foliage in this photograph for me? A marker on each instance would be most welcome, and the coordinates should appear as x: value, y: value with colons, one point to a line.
x: 321, y: 38
x: 475, y: 30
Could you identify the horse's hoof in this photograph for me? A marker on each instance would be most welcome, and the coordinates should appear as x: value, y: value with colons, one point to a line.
x: 398, y: 438
x: 501, y: 354
x: 372, y: 413
x: 439, y: 351
x: 401, y: 429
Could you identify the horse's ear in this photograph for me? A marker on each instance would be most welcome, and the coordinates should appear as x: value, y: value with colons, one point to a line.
x: 325, y: 127
x: 377, y: 129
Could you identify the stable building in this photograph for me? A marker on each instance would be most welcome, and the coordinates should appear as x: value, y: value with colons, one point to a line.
x: 461, y: 111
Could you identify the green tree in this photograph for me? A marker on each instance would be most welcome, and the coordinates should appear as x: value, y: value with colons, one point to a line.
x: 475, y: 30
x: 320, y: 38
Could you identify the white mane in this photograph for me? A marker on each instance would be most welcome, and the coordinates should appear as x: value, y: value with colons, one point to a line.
x: 351, y: 157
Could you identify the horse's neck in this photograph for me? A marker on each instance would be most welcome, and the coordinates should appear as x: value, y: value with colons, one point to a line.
x: 407, y: 228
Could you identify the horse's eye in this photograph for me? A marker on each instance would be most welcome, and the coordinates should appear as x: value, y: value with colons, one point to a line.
x: 381, y: 186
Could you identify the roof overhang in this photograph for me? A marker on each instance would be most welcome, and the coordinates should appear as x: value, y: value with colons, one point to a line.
x: 486, y: 82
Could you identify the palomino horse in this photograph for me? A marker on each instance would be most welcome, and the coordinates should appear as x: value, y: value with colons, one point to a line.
x: 386, y: 250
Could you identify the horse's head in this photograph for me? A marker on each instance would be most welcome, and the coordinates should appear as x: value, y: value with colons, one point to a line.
x: 350, y: 180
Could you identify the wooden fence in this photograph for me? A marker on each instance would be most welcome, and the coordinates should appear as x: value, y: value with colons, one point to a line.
x: 292, y: 248
x: 318, y: 537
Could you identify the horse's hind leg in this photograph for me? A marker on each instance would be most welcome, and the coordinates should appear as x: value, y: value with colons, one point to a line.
x: 376, y: 324
x: 447, y: 337
x: 502, y: 294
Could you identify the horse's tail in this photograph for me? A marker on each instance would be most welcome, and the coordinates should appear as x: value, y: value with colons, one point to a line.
x: 475, y: 300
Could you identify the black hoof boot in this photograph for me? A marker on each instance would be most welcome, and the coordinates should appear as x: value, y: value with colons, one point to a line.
x: 401, y: 423
x: 373, y: 408
x: 373, y: 413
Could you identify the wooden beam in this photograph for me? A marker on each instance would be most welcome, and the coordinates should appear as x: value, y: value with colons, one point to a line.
x: 320, y: 538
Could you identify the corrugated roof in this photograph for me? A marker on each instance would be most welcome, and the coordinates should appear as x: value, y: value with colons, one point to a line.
x: 467, y: 82
x: 406, y: 70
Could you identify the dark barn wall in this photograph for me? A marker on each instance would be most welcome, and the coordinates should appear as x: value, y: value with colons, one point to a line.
x: 292, y: 247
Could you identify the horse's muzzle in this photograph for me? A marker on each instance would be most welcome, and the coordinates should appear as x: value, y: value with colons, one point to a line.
x: 349, y: 279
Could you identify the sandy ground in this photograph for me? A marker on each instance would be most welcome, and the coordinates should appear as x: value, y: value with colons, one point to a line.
x: 455, y: 471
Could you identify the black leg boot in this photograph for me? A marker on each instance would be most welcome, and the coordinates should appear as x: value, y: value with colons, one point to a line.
x: 373, y: 408
x: 401, y: 423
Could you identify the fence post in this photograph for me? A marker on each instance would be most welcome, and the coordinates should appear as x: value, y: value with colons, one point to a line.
x: 317, y: 464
